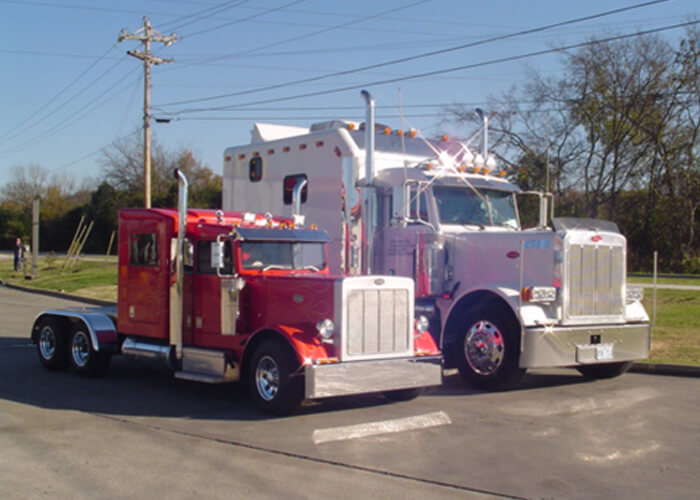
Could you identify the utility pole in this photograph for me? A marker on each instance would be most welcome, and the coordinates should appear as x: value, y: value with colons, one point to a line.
x: 146, y: 35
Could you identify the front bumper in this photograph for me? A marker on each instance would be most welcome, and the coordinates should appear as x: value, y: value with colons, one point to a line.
x: 360, y: 377
x: 571, y: 346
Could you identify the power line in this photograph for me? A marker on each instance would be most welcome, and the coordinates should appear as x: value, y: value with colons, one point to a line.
x: 443, y: 71
x: 418, y: 56
x: 235, y: 21
x: 9, y: 134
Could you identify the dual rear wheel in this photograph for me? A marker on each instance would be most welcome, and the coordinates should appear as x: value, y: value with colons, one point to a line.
x: 59, y: 346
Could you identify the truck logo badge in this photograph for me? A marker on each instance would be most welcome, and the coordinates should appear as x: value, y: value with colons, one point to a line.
x: 513, y: 255
x: 298, y: 298
x: 379, y: 282
x: 596, y: 238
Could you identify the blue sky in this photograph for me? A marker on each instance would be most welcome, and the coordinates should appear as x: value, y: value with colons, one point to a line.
x: 68, y: 89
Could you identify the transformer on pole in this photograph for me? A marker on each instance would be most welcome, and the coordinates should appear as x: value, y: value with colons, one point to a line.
x: 146, y: 35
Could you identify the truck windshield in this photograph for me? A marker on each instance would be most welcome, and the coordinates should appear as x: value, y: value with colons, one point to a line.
x: 461, y: 205
x: 283, y: 255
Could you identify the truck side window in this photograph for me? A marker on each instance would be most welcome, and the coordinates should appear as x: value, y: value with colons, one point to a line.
x: 419, y: 206
x: 143, y: 249
x: 288, y: 185
x: 256, y: 169
x: 204, y: 258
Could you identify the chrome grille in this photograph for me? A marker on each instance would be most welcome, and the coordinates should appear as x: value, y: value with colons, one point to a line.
x: 595, y: 281
x: 377, y: 322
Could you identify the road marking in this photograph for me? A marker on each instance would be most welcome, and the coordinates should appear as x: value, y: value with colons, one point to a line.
x: 347, y: 432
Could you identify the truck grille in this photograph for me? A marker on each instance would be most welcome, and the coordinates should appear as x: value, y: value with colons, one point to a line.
x: 377, y: 322
x: 595, y: 281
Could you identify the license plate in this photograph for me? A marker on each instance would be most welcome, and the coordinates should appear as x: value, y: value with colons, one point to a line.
x: 604, y: 352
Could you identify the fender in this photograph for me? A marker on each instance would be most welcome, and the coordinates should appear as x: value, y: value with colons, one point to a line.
x: 508, y: 296
x: 100, y: 326
x: 305, y: 344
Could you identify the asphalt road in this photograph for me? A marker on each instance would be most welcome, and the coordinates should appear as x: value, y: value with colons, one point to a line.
x: 139, y: 433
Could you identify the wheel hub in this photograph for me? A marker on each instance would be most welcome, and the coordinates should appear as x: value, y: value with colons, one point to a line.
x: 484, y: 347
x: 267, y: 378
x: 47, y: 343
x: 80, y: 349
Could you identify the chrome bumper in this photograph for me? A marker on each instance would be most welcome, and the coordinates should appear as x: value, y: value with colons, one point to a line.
x: 343, y: 379
x: 571, y: 346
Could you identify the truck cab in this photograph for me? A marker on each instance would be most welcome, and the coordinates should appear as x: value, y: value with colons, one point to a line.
x: 500, y: 298
x: 227, y: 296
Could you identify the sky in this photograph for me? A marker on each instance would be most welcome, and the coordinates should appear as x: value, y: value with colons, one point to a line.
x: 68, y: 89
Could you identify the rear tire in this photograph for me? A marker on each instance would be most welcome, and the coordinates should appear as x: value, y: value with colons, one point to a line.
x: 271, y: 384
x: 487, y: 349
x: 52, y: 344
x: 403, y: 394
x: 605, y: 370
x: 85, y: 359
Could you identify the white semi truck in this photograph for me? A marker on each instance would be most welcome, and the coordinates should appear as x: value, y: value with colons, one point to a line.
x: 503, y: 298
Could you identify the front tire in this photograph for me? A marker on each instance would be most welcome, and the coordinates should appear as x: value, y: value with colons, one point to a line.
x: 605, y: 370
x: 487, y: 349
x: 85, y: 359
x: 272, y: 386
x: 52, y: 344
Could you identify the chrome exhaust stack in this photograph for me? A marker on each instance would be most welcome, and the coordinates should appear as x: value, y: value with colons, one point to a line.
x: 176, y: 293
x: 297, y: 216
x: 368, y: 192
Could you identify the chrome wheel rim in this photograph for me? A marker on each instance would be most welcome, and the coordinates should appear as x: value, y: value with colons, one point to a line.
x: 484, y: 348
x: 47, y: 343
x: 80, y: 349
x: 267, y: 378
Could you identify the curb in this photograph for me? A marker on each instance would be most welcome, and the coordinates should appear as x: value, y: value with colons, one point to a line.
x: 648, y: 368
x: 661, y: 369
x: 60, y: 295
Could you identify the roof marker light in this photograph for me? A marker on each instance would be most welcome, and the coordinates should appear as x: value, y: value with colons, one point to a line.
x: 412, y: 133
x: 387, y: 131
x: 399, y: 133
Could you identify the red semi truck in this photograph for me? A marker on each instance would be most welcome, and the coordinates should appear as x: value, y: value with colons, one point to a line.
x: 228, y: 296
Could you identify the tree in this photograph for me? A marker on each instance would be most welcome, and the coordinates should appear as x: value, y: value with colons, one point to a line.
x: 616, y: 134
x: 122, y: 166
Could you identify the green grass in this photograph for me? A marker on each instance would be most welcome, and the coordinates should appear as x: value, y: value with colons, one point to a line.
x: 676, y: 337
x: 663, y: 281
x: 95, y: 279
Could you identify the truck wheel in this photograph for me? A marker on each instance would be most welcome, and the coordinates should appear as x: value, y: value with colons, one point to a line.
x: 272, y: 385
x: 487, y: 349
x: 605, y: 370
x: 403, y: 394
x: 85, y: 359
x: 52, y: 344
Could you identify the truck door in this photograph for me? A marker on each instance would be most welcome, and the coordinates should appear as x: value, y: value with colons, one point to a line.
x: 209, y: 323
x: 144, y: 292
x: 399, y: 240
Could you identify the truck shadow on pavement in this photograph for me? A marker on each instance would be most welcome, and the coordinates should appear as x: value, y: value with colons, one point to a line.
x: 139, y: 388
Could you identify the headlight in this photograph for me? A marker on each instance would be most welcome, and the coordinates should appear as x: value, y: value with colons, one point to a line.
x: 634, y: 294
x: 422, y: 324
x: 325, y: 329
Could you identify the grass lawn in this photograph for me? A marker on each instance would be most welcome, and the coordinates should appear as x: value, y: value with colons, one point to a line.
x: 676, y: 337
x: 94, y: 279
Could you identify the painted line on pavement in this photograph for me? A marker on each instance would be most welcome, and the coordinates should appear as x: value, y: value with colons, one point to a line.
x: 347, y: 432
